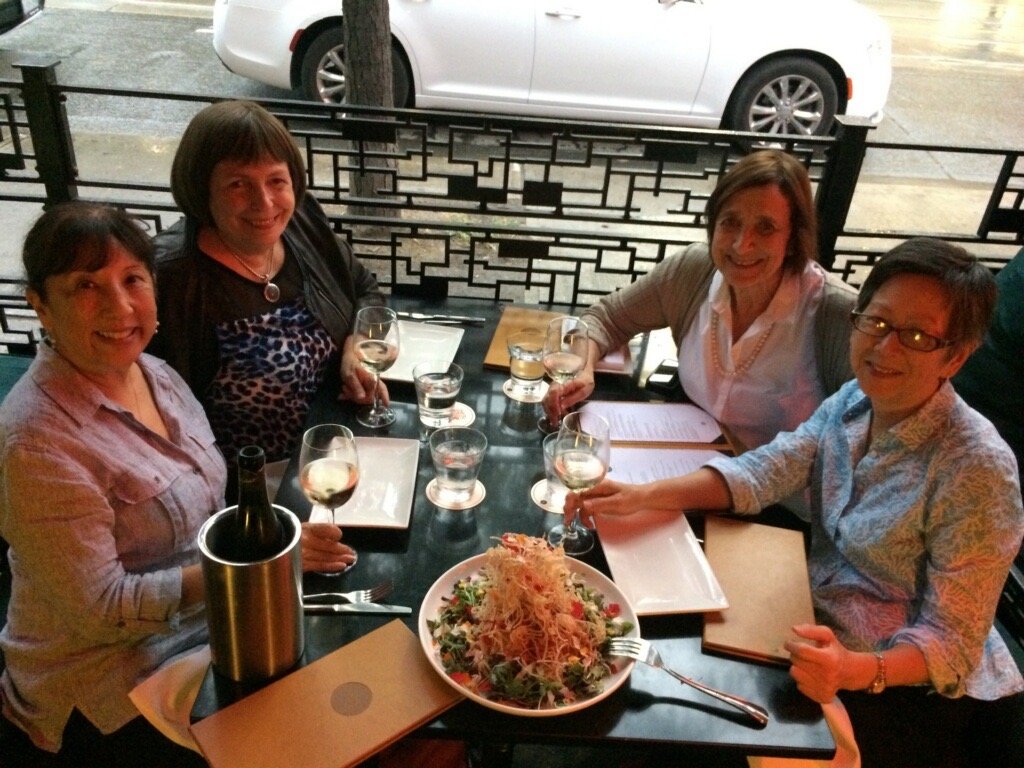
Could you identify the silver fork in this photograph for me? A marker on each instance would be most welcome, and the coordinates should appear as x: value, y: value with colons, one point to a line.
x: 371, y: 595
x: 642, y: 650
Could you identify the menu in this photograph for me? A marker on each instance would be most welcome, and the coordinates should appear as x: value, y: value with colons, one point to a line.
x: 516, y: 317
x: 763, y: 572
x: 660, y: 425
x: 333, y: 713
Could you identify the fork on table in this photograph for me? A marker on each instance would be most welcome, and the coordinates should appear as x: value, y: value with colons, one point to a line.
x: 371, y: 595
x: 643, y: 651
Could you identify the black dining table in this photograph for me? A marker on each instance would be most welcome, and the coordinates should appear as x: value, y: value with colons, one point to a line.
x: 652, y: 710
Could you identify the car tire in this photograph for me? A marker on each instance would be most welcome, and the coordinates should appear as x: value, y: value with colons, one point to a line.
x: 322, y: 76
x: 789, y: 96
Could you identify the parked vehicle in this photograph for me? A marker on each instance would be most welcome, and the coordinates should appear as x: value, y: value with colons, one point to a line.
x: 787, y: 66
x: 14, y: 12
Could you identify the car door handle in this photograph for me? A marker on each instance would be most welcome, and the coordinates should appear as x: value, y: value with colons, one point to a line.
x: 565, y: 13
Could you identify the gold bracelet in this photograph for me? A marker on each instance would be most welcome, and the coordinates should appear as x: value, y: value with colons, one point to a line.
x: 878, y: 684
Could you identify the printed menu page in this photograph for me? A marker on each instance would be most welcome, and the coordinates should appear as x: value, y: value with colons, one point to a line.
x: 659, y: 424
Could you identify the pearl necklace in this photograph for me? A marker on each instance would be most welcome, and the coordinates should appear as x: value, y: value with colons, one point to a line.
x: 270, y: 290
x: 743, y: 367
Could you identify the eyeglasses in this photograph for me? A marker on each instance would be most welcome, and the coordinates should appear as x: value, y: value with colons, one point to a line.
x: 911, y: 338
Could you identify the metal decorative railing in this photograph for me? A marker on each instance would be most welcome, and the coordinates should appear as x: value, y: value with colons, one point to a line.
x: 507, y: 208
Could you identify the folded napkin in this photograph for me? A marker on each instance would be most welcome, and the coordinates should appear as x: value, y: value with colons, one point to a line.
x: 165, y: 698
x: 847, y: 752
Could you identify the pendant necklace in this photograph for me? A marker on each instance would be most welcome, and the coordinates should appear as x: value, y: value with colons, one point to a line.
x: 743, y: 367
x: 270, y: 290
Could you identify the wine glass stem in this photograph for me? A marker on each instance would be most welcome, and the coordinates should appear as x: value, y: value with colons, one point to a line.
x: 376, y: 392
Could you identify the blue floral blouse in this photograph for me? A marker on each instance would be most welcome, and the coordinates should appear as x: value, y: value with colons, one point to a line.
x: 911, y: 539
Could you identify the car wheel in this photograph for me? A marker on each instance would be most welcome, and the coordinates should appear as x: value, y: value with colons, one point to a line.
x: 788, y: 96
x: 323, y: 70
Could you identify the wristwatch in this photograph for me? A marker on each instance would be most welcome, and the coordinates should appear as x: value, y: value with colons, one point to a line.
x: 878, y: 684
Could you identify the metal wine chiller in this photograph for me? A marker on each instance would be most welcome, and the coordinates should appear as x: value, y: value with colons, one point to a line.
x: 254, y: 610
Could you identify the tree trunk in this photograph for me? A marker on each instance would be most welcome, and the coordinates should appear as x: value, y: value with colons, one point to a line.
x: 368, y: 80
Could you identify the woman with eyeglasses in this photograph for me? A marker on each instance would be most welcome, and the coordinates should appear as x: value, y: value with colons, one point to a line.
x: 916, y: 517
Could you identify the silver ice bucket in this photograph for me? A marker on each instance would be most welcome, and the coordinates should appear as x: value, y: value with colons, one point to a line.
x: 254, y: 610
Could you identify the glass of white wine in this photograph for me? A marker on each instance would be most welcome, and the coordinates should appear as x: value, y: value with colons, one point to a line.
x: 581, y: 456
x: 328, y: 469
x: 566, y: 347
x: 376, y: 345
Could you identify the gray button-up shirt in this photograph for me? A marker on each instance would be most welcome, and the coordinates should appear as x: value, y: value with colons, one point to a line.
x: 100, y: 514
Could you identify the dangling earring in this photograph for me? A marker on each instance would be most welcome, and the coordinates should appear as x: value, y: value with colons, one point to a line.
x: 156, y: 328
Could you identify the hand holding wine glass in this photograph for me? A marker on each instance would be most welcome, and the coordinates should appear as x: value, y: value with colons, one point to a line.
x: 566, y: 346
x: 581, y: 456
x: 328, y: 469
x: 376, y: 345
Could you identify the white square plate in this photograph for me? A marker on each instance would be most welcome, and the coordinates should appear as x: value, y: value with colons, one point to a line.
x: 659, y: 565
x: 387, y: 484
x: 419, y: 342
x: 654, y: 558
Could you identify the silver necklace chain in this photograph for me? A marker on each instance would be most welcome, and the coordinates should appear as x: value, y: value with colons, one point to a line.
x: 270, y: 290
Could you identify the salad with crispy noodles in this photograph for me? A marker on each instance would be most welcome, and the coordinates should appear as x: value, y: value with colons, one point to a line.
x: 526, y: 631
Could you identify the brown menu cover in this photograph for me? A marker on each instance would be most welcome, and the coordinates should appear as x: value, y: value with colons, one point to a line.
x: 515, y: 317
x: 335, y: 712
x: 763, y: 572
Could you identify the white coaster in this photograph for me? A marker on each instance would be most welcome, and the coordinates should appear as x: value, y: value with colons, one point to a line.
x: 539, y: 391
x: 462, y: 416
x: 434, y: 495
x: 550, y: 502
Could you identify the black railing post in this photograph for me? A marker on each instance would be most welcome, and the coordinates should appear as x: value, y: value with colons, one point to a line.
x: 48, y: 126
x: 838, y: 183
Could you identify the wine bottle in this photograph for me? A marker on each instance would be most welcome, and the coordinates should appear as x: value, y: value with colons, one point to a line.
x: 258, y: 533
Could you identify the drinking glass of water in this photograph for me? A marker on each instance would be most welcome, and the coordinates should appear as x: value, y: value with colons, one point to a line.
x: 457, y: 453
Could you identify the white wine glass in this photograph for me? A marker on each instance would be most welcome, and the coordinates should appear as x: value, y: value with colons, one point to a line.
x: 376, y: 345
x: 328, y: 469
x: 566, y: 347
x: 581, y: 456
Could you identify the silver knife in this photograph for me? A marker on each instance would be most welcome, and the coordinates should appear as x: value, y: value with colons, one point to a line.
x: 355, y: 608
x: 441, y: 318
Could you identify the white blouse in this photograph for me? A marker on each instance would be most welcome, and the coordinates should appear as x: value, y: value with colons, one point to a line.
x: 767, y: 382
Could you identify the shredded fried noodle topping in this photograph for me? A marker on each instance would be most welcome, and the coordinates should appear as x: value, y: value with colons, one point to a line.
x: 526, y: 631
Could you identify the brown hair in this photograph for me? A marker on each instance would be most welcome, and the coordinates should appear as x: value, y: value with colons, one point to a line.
x: 773, y: 166
x: 969, y: 286
x: 77, y: 235
x: 241, y: 131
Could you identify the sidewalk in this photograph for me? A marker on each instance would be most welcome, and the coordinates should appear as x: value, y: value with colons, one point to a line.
x: 182, y: 8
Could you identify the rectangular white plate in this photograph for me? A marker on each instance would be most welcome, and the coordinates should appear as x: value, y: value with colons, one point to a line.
x: 658, y: 564
x: 419, y: 342
x: 654, y: 557
x: 387, y: 484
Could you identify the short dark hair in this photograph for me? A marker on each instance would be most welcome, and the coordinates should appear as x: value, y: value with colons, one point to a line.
x: 241, y: 131
x: 773, y: 166
x: 969, y: 285
x: 77, y: 235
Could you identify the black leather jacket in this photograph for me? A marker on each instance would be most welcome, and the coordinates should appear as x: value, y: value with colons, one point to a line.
x: 336, y: 286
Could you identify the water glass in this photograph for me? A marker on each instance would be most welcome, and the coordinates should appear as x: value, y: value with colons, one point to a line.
x: 457, y: 453
x: 438, y: 383
x: 526, y: 361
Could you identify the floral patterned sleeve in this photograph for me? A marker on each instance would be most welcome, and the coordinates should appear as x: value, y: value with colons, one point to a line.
x: 971, y: 534
x: 768, y: 474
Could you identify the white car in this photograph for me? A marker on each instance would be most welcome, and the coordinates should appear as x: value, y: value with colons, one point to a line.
x: 779, y: 66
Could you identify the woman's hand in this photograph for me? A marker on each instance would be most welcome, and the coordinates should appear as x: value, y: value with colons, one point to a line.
x: 322, y: 549
x: 606, y: 498
x: 704, y: 489
x: 560, y: 398
x: 356, y: 381
x: 820, y: 664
